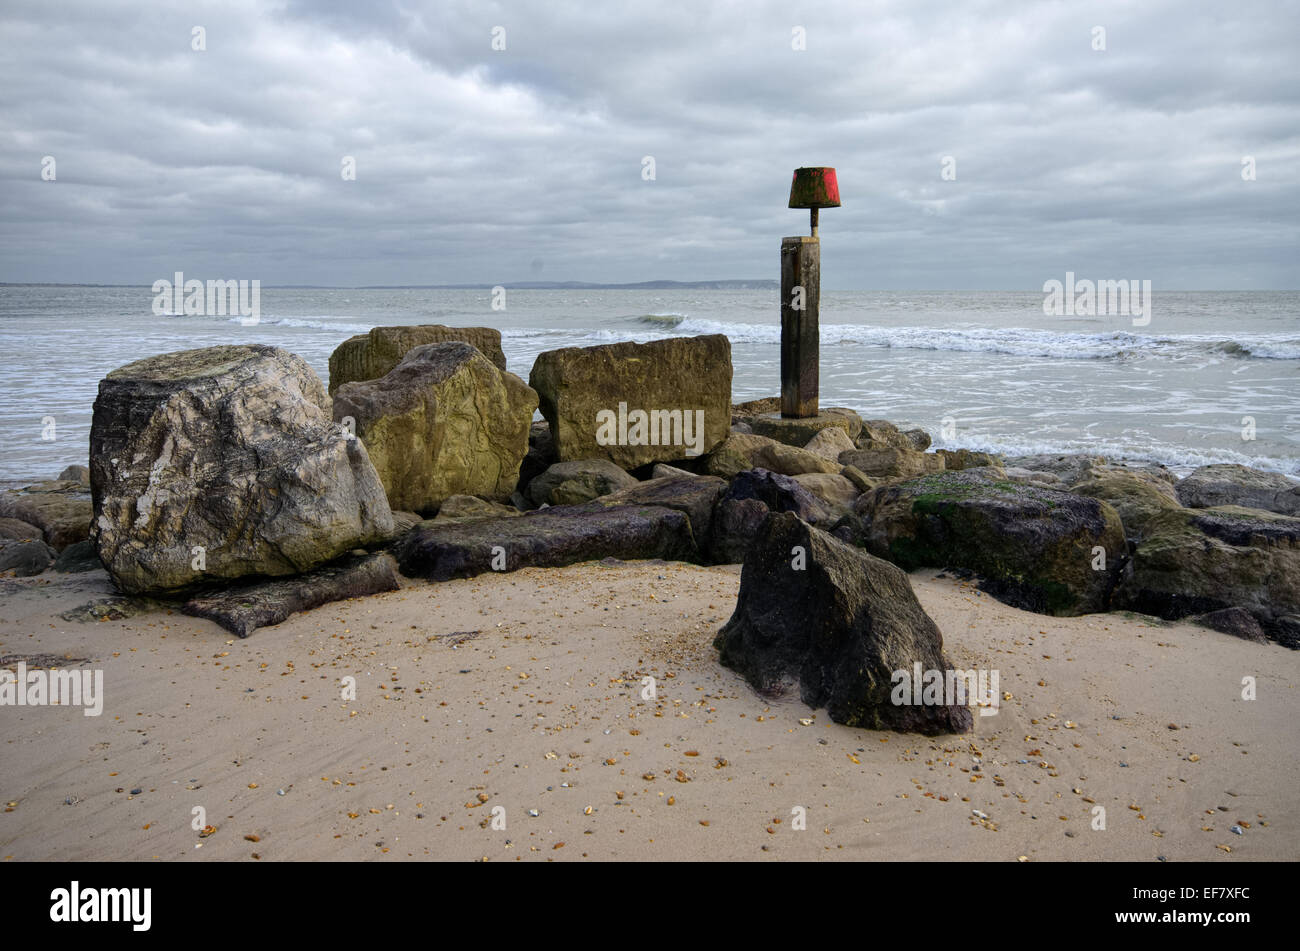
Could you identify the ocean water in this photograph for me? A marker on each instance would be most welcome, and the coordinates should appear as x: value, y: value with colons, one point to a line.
x: 1183, y: 390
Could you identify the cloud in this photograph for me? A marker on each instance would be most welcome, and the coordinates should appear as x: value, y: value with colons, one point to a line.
x: 475, y: 164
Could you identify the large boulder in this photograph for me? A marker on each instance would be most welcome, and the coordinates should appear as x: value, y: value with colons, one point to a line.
x: 636, y: 403
x: 840, y: 624
x: 571, y: 483
x: 829, y: 443
x: 837, y: 491
x: 372, y: 355
x: 25, y: 558
x: 243, y: 609
x: 695, y: 496
x: 1137, y: 498
x: 443, y: 422
x: 957, y: 459
x: 231, y: 451
x: 1036, y: 548
x: 1215, y: 485
x: 1070, y: 468
x: 799, y: 430
x: 1197, y: 561
x: 16, y: 529
x: 540, y: 456
x: 882, y: 434
x: 736, y: 523
x: 61, y: 510
x: 549, y: 538
x: 469, y: 506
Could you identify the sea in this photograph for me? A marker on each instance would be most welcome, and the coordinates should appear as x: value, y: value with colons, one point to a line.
x: 1213, y: 377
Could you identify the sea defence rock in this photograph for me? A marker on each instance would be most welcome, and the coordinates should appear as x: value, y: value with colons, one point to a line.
x: 78, y: 557
x: 741, y: 451
x: 736, y: 523
x: 882, y: 434
x: 892, y: 463
x: 797, y: 431
x: 694, y: 496
x: 636, y: 403
x: 25, y: 558
x: 918, y: 438
x: 243, y: 609
x: 956, y: 459
x: 829, y: 443
x: 1039, y: 549
x: 1137, y: 498
x: 540, y: 456
x: 1235, y: 621
x: 76, y: 474
x: 15, y: 529
x: 443, y: 422
x: 223, y: 462
x: 61, y: 509
x: 372, y: 355
x: 836, y: 491
x: 551, y: 537
x: 571, y: 483
x: 1215, y: 485
x: 1198, y: 561
x: 1070, y: 468
x: 469, y: 506
x: 838, y: 623
x: 780, y: 494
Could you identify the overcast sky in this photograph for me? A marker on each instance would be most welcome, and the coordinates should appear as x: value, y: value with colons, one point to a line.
x: 482, y: 165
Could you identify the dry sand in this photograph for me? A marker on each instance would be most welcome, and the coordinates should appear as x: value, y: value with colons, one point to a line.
x: 523, y: 691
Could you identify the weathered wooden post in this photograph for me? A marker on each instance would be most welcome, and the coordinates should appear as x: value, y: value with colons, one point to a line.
x: 811, y: 188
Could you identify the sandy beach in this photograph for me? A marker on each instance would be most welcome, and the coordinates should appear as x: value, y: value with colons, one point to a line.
x: 524, y: 691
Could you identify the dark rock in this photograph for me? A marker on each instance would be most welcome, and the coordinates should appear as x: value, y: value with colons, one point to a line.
x: 840, y: 628
x: 78, y: 557
x: 1286, y: 630
x: 1235, y: 621
x: 17, y: 530
x: 1196, y: 561
x: 540, y: 456
x: 693, y: 495
x: 552, y: 537
x: 736, y: 523
x: 919, y: 439
x: 242, y: 610
x: 780, y: 494
x: 1033, y: 546
x: 468, y: 506
x: 1070, y: 468
x: 25, y: 558
x: 572, y: 483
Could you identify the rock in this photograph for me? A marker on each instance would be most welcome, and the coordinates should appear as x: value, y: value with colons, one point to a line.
x: 882, y: 434
x: 17, y: 530
x: 1196, y: 561
x: 61, y: 510
x: 742, y: 427
x: 1215, y: 485
x: 798, y: 431
x: 840, y: 628
x: 1034, y: 547
x: 829, y: 443
x: 78, y: 557
x: 230, y: 450
x: 1138, y: 499
x: 859, y: 478
x: 1070, y: 468
x: 919, y: 439
x: 1286, y: 630
x: 571, y: 483
x: 242, y: 610
x: 25, y: 558
x: 736, y: 523
x: 540, y: 456
x: 75, y: 474
x: 957, y: 459
x: 637, y: 403
x: 1048, y: 479
x: 443, y: 422
x: 744, y: 412
x: 1235, y: 621
x: 551, y: 537
x: 375, y: 354
x: 469, y: 506
x: 780, y: 494
x: 891, y: 464
x: 740, y: 452
x: 403, y: 522
x: 838, y: 492
x: 693, y: 495
x: 113, y: 609
x: 661, y: 471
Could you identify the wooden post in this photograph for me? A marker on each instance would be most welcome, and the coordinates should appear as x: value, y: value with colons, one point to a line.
x: 800, y: 296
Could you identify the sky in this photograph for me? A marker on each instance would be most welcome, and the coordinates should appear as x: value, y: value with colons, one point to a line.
x: 978, y: 145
